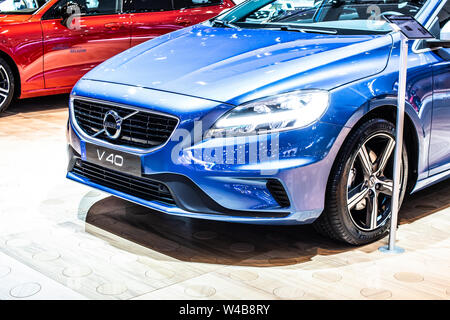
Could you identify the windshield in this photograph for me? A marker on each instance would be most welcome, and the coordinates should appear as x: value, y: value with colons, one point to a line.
x: 325, y: 16
x: 20, y: 6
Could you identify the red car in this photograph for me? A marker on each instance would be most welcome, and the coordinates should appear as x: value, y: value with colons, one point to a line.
x: 44, y: 51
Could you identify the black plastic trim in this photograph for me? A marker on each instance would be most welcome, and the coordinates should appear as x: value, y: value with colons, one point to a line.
x: 278, y: 192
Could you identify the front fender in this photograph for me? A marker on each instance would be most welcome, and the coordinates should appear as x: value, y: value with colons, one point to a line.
x: 419, y: 120
x: 22, y: 45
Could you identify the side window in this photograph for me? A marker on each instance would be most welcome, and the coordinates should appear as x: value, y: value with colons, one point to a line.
x: 148, y: 5
x: 181, y: 4
x: 103, y: 6
x: 88, y: 7
x: 438, y: 23
x: 444, y: 16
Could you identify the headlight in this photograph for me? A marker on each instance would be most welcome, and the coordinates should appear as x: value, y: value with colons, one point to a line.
x: 282, y: 112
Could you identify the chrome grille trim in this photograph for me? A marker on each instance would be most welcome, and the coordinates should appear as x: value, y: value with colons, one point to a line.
x: 91, y: 138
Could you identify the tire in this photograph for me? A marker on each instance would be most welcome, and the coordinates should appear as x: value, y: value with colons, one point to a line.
x: 7, y: 86
x: 354, y: 195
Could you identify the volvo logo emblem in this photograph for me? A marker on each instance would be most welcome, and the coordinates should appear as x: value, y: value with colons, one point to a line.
x: 112, y: 124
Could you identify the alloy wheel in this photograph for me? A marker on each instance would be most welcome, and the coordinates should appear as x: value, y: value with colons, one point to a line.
x: 5, y: 86
x: 370, y: 182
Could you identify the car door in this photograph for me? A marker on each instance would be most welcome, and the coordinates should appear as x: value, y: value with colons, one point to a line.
x: 439, y: 157
x: 103, y: 30
x: 440, y: 132
x: 196, y: 11
x: 152, y: 18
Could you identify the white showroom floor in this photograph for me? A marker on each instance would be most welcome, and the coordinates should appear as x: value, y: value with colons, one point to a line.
x: 61, y: 240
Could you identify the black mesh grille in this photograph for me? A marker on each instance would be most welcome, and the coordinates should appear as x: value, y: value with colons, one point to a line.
x: 278, y: 192
x: 146, y: 189
x: 143, y: 130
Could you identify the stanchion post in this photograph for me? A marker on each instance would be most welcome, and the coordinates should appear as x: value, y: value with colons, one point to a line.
x: 408, y: 28
x: 396, y: 188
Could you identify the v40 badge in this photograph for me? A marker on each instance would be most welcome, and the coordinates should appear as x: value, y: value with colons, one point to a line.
x: 113, y: 159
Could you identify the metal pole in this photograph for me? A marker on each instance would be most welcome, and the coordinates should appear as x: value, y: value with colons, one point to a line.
x: 403, y: 68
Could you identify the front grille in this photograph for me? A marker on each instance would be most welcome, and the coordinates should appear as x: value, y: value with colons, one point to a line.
x: 278, y: 192
x: 146, y: 189
x: 142, y: 130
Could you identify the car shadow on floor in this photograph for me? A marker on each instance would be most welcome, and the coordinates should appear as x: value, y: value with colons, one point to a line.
x: 223, y: 243
x: 40, y: 104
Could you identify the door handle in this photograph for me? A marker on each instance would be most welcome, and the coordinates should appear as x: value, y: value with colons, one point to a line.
x: 113, y: 26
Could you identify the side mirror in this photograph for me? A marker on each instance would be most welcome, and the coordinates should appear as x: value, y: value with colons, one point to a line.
x: 68, y: 12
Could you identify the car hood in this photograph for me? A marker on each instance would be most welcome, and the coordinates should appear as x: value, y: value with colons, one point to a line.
x: 238, y: 65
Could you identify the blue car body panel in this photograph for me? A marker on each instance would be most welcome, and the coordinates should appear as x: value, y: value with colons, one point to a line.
x: 200, y: 73
x: 208, y: 62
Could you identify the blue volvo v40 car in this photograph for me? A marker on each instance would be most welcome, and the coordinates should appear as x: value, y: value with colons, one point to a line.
x: 272, y: 113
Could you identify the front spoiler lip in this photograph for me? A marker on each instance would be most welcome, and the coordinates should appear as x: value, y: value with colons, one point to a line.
x: 304, y: 217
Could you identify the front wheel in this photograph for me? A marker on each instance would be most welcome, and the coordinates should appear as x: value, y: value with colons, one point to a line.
x: 6, y: 85
x: 359, y: 193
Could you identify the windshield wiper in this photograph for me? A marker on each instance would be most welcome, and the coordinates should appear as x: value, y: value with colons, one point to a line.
x: 222, y: 23
x: 304, y: 30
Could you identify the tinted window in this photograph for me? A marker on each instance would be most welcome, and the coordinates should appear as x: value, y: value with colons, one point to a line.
x: 20, y: 6
x: 328, y: 11
x: 180, y: 4
x: 435, y: 29
x: 102, y: 6
x: 335, y: 16
x: 88, y: 7
x: 444, y: 15
x: 148, y: 5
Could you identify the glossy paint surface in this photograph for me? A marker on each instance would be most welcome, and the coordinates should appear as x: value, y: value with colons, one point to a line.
x: 223, y: 68
x: 440, y: 141
x: 50, y: 58
x: 254, y: 58
x: 21, y: 41
x: 69, y: 54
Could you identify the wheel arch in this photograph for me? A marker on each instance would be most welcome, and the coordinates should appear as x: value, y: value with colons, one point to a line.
x: 15, y: 70
x: 387, y: 109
